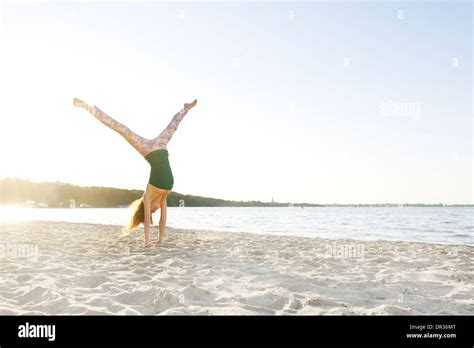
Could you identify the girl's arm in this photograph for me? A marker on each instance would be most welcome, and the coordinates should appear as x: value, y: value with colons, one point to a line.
x: 147, y: 217
x: 162, y: 223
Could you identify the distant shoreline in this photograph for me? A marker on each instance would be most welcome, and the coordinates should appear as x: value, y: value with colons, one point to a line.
x: 283, y: 206
x: 62, y: 195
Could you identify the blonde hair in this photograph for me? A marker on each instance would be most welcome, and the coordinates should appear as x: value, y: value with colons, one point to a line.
x: 138, y: 215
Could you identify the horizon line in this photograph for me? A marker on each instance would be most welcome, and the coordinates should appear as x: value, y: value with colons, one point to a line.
x: 253, y: 200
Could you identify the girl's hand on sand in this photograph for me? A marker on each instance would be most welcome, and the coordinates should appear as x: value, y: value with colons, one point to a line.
x: 146, y: 240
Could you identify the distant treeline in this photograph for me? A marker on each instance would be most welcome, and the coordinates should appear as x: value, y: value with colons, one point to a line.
x: 57, y: 194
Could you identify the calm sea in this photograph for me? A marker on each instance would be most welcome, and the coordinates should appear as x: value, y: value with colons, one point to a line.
x: 447, y: 225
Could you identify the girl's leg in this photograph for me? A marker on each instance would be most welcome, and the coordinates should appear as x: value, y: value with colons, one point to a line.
x: 140, y: 144
x: 162, y: 140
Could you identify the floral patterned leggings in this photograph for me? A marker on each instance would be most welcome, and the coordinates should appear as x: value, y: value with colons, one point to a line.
x: 142, y: 145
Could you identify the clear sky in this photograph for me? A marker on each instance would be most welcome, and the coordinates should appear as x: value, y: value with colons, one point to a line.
x: 306, y: 102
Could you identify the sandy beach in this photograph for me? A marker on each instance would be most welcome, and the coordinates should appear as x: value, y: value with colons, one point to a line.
x: 71, y: 268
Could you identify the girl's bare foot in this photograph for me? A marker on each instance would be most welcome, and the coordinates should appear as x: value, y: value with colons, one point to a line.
x: 78, y: 102
x: 82, y: 104
x: 190, y: 105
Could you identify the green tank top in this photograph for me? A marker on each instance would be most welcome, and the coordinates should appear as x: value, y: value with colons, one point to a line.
x: 161, y: 175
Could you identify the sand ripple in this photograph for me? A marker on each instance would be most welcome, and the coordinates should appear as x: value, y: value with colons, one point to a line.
x: 92, y: 270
